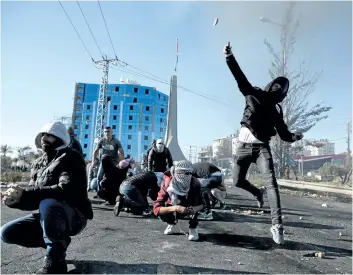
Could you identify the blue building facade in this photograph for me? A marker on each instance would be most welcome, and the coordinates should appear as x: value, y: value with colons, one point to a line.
x: 137, y: 115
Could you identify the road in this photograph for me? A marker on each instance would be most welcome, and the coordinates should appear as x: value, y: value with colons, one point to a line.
x: 233, y: 243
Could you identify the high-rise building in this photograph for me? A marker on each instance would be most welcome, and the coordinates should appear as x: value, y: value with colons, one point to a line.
x: 324, y: 147
x: 137, y: 115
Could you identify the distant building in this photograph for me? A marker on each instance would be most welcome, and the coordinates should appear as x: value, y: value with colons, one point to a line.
x: 205, y: 154
x: 324, y: 147
x: 313, y: 163
x: 137, y: 115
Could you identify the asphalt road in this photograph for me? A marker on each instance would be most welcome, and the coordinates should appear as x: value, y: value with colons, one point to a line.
x: 234, y: 242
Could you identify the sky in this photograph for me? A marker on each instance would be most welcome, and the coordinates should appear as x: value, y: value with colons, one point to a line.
x: 42, y: 58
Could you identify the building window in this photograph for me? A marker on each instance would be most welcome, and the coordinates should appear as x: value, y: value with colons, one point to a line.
x: 117, y: 89
x: 161, y: 120
x: 162, y: 129
x: 145, y: 147
x: 130, y: 117
x: 147, y: 108
x: 164, y: 98
x: 88, y: 107
x: 75, y: 127
x: 114, y: 126
x: 109, y: 98
x: 115, y: 107
x: 86, y: 136
x: 114, y: 117
x: 130, y: 127
x: 76, y: 117
x: 129, y: 147
x: 85, y: 145
x: 135, y: 100
x: 162, y: 110
x: 147, y: 118
x: 131, y: 107
x: 145, y: 137
x: 147, y: 91
x: 129, y: 137
x: 146, y: 128
x: 86, y: 126
x: 87, y: 117
x: 135, y: 90
x: 159, y: 96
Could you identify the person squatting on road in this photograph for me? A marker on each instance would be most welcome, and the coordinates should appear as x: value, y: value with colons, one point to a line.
x: 180, y: 195
x: 58, y: 188
x: 212, y: 182
x: 159, y: 157
x: 112, y: 179
x: 92, y: 173
x: 262, y: 119
x: 133, y: 193
x: 110, y: 146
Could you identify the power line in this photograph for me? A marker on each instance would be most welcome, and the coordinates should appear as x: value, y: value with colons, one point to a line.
x: 106, y: 27
x: 68, y: 17
x: 89, y: 28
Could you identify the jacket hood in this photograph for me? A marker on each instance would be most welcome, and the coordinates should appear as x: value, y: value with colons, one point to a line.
x: 56, y: 129
x: 278, y: 88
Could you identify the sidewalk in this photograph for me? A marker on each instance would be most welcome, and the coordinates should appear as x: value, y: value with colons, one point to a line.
x: 319, y: 188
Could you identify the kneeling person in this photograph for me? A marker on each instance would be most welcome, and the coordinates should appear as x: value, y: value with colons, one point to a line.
x: 180, y: 195
x: 133, y: 193
x: 58, y: 188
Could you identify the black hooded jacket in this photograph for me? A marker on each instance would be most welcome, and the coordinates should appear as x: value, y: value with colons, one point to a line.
x: 158, y: 162
x: 262, y: 115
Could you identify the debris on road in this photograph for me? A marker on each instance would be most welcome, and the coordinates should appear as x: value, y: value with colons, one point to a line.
x: 300, y: 218
x: 324, y: 205
x: 252, y: 212
x: 320, y: 254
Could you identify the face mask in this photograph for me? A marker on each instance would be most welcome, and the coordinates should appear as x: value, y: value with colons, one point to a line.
x: 160, y: 147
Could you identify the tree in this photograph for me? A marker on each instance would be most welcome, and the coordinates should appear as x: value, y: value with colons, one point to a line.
x: 6, y: 149
x: 298, y: 114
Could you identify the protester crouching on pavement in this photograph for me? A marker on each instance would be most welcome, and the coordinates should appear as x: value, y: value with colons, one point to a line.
x: 262, y: 119
x: 113, y: 177
x: 180, y: 195
x: 92, y: 174
x: 58, y: 189
x: 133, y: 193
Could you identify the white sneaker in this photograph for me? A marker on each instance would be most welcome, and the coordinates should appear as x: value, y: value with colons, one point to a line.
x: 169, y: 230
x: 193, y: 234
x: 277, y: 233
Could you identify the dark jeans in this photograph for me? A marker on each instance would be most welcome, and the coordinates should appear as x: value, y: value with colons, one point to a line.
x: 134, y: 198
x: 261, y: 155
x: 170, y: 219
x: 51, y: 228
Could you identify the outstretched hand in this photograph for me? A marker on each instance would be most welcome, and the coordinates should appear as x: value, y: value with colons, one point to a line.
x: 227, y: 49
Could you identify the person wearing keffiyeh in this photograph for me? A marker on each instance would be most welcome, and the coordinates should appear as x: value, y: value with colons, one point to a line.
x: 180, y: 195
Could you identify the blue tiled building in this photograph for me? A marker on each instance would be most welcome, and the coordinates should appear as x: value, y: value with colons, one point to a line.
x: 137, y: 115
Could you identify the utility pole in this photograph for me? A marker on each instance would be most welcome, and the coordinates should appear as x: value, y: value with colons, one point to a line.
x: 101, y: 116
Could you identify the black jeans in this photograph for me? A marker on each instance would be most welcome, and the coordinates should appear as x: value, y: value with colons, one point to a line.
x: 261, y: 155
x: 170, y: 219
x: 134, y: 198
x: 51, y: 228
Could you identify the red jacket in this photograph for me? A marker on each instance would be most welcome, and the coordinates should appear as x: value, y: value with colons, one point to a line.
x: 193, y: 198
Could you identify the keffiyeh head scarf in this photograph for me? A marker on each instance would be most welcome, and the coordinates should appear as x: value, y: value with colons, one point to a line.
x: 181, y: 179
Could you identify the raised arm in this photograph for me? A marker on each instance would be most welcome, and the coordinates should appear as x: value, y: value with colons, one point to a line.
x: 244, y: 85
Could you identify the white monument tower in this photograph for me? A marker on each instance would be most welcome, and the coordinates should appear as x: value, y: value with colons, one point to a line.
x: 171, y: 138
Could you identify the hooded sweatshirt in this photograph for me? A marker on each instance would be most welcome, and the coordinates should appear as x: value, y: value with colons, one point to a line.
x: 159, y: 161
x: 263, y: 116
x: 62, y: 177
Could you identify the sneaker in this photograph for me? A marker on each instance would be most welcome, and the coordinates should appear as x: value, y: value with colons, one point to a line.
x: 260, y: 198
x: 205, y: 216
x: 277, y: 233
x: 169, y: 230
x: 119, y: 205
x: 193, y: 234
x: 53, y: 267
x: 222, y: 206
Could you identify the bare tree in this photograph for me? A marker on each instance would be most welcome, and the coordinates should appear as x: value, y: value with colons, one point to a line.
x: 6, y: 149
x: 298, y: 114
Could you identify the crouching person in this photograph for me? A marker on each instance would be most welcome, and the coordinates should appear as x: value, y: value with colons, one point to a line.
x: 134, y: 191
x: 180, y: 195
x: 58, y: 189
